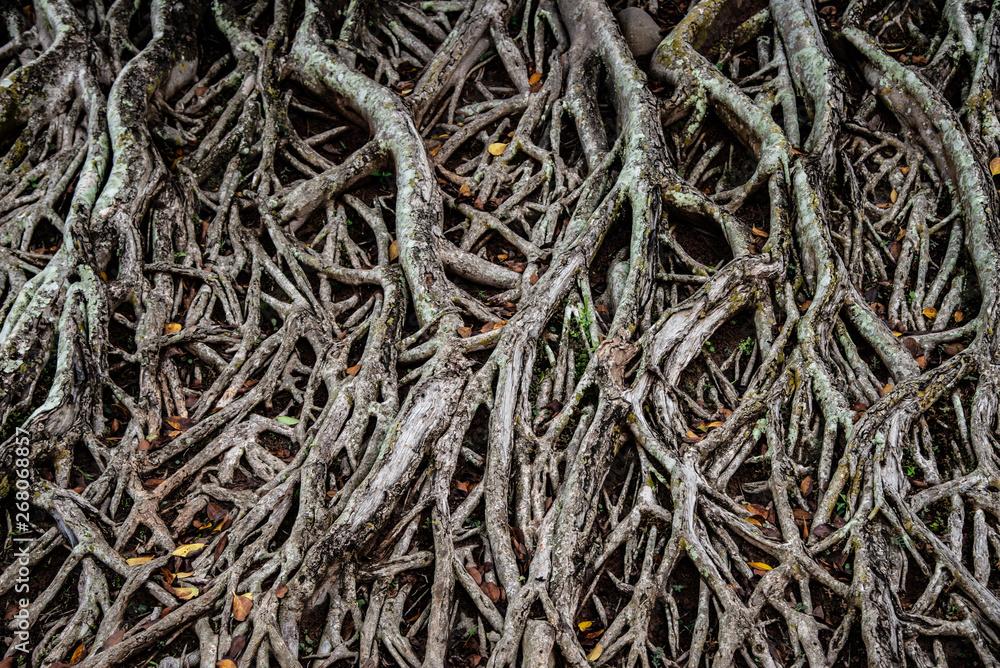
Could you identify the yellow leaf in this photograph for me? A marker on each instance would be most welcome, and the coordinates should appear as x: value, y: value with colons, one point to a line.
x: 583, y: 626
x: 501, y: 257
x: 760, y: 233
x: 595, y: 653
x: 751, y: 520
x: 995, y: 166
x: 929, y: 312
x: 497, y: 148
x: 893, y: 196
x: 434, y: 151
x: 185, y: 550
x: 185, y: 593
x: 902, y: 233
x: 535, y: 78
x: 353, y: 370
x: 241, y: 606
x: 225, y: 663
x: 393, y: 250
x: 888, y: 388
x: 717, y: 423
x: 758, y: 565
x: 465, y: 190
x: 138, y: 561
x: 959, y: 316
x: 183, y: 575
x: 173, y: 328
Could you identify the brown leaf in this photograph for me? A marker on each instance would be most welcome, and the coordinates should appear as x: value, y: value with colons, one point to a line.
x: 465, y: 190
x: 144, y: 445
x: 488, y: 327
x: 281, y: 590
x: 822, y: 530
x: 181, y: 423
x: 465, y: 332
x: 806, y: 486
x: 353, y: 370
x: 220, y: 546
x: 921, y: 362
x: 152, y: 483
x: 241, y: 606
x: 894, y: 249
x: 393, y: 250
x: 214, y: 511
x: 800, y: 514
x: 952, y: 349
x: 235, y: 647
x: 476, y: 575
x: 112, y: 640
x: 168, y: 577
x: 995, y: 166
x: 491, y: 590
x: 912, y: 346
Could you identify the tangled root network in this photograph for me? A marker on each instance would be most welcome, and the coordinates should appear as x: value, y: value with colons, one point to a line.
x: 487, y: 333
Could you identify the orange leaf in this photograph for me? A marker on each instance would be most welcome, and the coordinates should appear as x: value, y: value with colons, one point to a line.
x: 225, y: 663
x: 535, y: 78
x: 929, y: 312
x: 905, y: 170
x: 78, y: 655
x: 353, y: 370
x: 959, y: 316
x: 759, y: 232
x: 393, y: 250
x: 995, y: 166
x: 241, y: 606
x: 173, y: 328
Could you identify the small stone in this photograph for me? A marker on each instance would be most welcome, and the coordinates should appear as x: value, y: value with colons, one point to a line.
x: 641, y: 32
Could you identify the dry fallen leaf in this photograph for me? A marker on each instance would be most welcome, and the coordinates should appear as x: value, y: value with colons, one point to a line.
x: 78, y: 655
x: 393, y: 250
x: 758, y: 565
x: 497, y: 148
x: 995, y: 166
x: 959, y: 316
x: 173, y: 327
x: 583, y: 626
x: 759, y: 232
x: 281, y: 590
x: 185, y: 550
x: 138, y: 561
x: 893, y: 196
x: 114, y: 638
x: 929, y: 312
x: 905, y: 170
x: 353, y: 370
x: 225, y: 663
x: 535, y: 78
x: 595, y: 653
x: 465, y: 190
x: 241, y: 606
x: 183, y: 593
x: 888, y: 388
